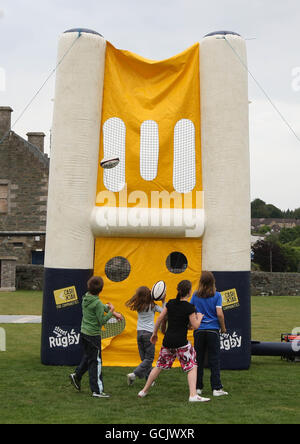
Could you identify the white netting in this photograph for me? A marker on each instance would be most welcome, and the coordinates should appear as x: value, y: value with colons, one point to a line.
x: 184, y: 172
x: 114, y: 140
x: 149, y: 150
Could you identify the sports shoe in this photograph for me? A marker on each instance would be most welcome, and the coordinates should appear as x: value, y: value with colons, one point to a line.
x: 219, y: 393
x: 198, y: 398
x: 100, y: 395
x: 199, y: 392
x: 75, y: 382
x: 142, y: 394
x: 131, y: 378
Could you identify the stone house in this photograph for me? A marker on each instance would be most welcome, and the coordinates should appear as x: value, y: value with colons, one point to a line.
x: 275, y: 224
x: 24, y: 171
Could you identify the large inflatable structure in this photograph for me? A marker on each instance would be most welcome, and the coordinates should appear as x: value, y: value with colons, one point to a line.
x: 177, y: 203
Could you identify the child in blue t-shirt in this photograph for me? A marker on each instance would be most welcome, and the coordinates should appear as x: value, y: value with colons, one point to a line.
x: 207, y: 338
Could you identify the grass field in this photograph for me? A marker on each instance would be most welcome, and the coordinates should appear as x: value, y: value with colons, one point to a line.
x: 34, y: 394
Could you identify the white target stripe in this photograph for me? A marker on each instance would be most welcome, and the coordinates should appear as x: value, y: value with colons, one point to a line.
x: 184, y: 172
x: 149, y: 150
x: 114, y: 139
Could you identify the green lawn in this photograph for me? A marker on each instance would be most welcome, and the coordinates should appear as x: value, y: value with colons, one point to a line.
x: 33, y: 393
x: 21, y: 303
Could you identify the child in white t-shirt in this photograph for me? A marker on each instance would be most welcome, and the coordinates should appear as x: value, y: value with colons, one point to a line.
x: 142, y: 303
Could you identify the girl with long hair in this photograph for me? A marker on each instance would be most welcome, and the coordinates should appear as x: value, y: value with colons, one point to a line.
x: 143, y: 304
x: 207, y: 337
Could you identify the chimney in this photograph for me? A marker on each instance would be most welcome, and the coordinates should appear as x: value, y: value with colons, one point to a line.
x: 37, y: 139
x: 5, y: 120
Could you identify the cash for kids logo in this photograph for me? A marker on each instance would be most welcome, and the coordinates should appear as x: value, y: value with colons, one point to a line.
x: 66, y: 297
x: 230, y: 299
x: 63, y: 338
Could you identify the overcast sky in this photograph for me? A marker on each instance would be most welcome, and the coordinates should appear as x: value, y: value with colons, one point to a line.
x: 159, y: 29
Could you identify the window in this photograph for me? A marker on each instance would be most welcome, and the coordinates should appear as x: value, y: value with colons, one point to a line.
x: 184, y: 175
x: 149, y: 150
x: 37, y: 257
x: 3, y: 198
x: 114, y: 139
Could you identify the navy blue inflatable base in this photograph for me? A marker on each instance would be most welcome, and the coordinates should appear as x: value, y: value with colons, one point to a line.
x: 236, y: 344
x: 61, y: 322
x: 62, y: 318
x: 275, y: 349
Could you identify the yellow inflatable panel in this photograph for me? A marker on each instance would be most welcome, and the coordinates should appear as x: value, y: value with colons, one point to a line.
x: 137, y: 90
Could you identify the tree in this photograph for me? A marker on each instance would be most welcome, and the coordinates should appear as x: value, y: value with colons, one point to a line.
x: 264, y: 230
x: 289, y: 234
x: 297, y: 213
x: 259, y: 209
x: 273, y: 212
x: 269, y: 255
x: 292, y: 256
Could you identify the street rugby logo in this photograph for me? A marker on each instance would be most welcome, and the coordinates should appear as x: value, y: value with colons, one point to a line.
x: 66, y: 297
x: 231, y: 341
x: 63, y: 338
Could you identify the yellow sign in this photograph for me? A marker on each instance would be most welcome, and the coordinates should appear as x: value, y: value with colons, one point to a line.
x: 66, y: 297
x: 230, y: 299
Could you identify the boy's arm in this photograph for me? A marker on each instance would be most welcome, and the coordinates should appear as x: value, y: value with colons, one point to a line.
x: 115, y: 313
x: 100, y: 310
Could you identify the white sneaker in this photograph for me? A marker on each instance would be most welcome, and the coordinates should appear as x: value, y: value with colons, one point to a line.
x: 198, y: 398
x: 100, y: 395
x: 142, y: 394
x: 131, y: 378
x: 219, y: 393
x: 199, y: 392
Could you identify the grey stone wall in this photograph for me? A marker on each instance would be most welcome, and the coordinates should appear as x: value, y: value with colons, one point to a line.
x: 26, y: 171
x: 7, y: 274
x: 21, y: 246
x: 277, y: 284
x: 29, y: 277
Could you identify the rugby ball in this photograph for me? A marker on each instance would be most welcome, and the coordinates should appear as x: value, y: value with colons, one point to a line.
x: 158, y: 291
x: 110, y: 163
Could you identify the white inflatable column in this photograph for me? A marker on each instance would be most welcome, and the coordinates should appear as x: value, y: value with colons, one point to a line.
x: 226, y: 181
x: 72, y: 187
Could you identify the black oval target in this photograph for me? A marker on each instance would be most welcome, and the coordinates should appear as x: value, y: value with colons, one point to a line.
x: 177, y: 262
x: 117, y: 269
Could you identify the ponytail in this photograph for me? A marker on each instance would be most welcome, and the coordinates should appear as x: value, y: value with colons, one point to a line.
x: 183, y: 289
